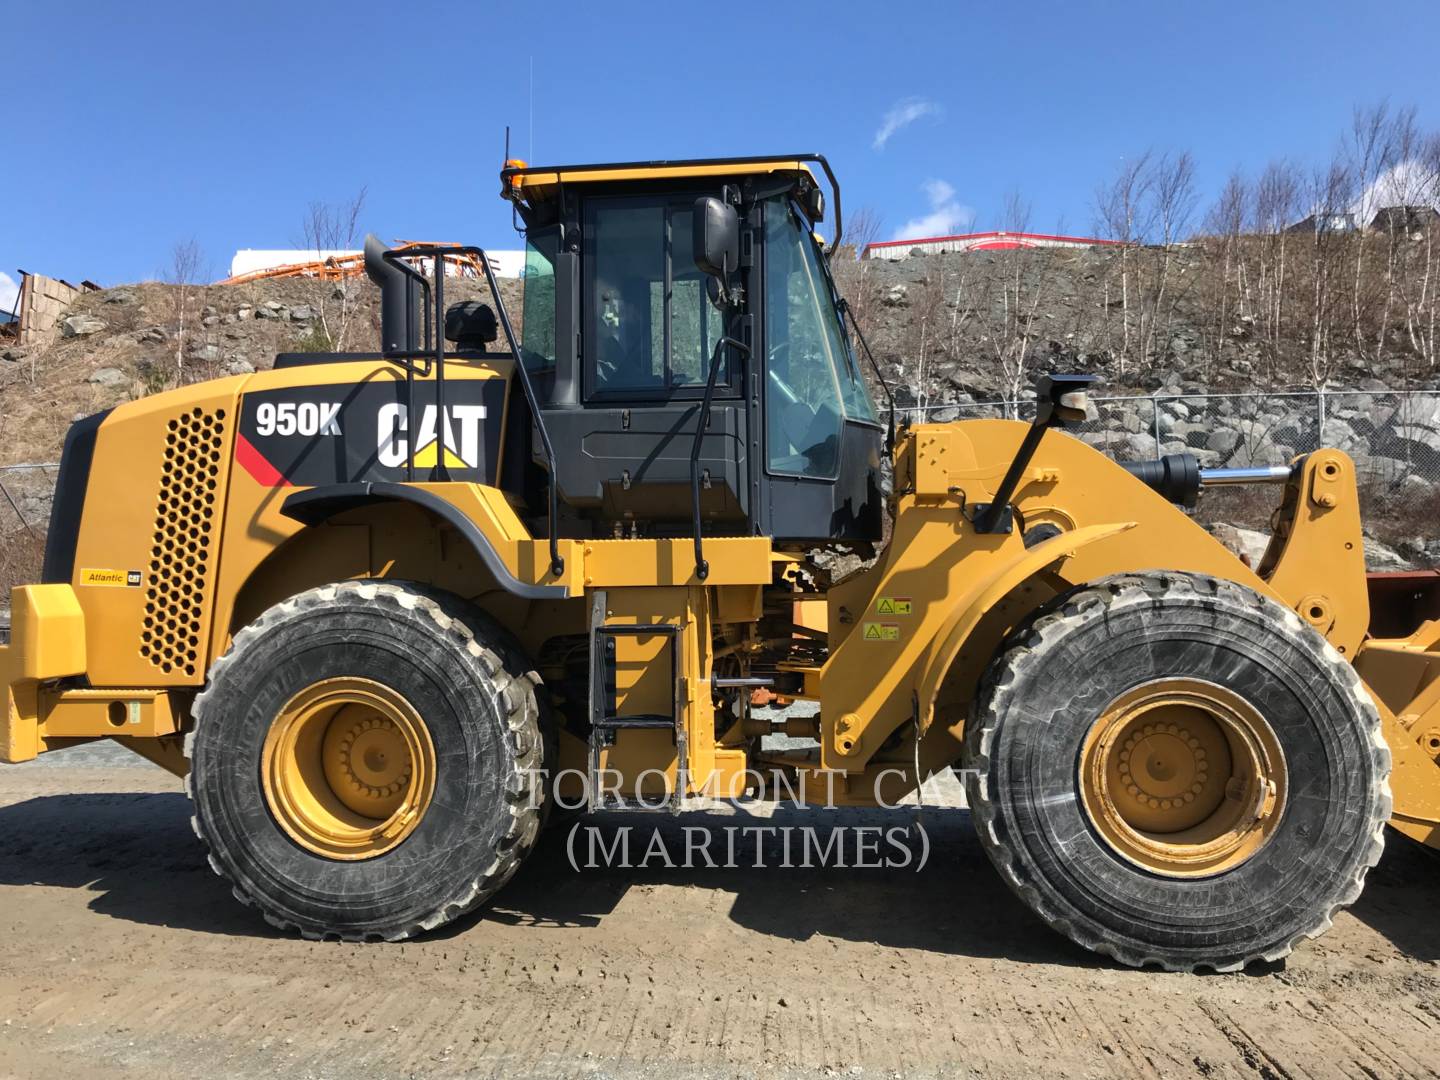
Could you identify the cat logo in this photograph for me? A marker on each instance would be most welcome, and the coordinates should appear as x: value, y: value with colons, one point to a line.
x: 457, y: 444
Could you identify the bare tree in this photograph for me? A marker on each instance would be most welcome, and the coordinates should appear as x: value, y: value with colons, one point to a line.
x: 1170, y: 188
x: 1420, y: 295
x: 1369, y: 149
x: 1021, y: 290
x: 1277, y: 196
x: 1225, y: 223
x: 1331, y: 190
x: 328, y: 228
x: 183, y: 274
x: 1403, y: 185
x: 1124, y: 216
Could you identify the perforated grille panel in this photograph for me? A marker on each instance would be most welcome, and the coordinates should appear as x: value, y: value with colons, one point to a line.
x: 181, y: 556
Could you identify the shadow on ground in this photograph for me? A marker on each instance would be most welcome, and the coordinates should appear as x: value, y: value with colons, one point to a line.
x: 137, y: 855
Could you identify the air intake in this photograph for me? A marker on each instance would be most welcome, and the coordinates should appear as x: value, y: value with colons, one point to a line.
x: 181, y: 555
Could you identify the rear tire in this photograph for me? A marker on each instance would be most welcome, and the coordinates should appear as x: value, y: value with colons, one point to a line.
x: 293, y: 841
x: 1069, y: 845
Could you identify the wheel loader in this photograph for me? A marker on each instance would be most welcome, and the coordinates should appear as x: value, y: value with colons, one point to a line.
x: 383, y: 611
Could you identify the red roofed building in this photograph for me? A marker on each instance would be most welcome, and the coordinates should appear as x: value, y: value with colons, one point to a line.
x: 980, y: 241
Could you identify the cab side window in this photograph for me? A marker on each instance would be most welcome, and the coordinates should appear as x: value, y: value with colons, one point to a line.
x: 651, y: 327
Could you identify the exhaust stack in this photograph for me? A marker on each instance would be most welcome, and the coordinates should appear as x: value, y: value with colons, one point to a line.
x: 400, y: 299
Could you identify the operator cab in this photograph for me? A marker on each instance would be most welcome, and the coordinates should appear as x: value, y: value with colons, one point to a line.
x: 620, y: 327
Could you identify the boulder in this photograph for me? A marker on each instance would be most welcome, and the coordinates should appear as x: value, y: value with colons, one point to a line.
x: 1246, y: 543
x: 119, y: 296
x: 1407, y: 425
x: 1223, y: 441
x: 302, y: 313
x: 238, y: 365
x: 1415, y: 486
x: 207, y: 354
x: 1128, y: 419
x: 1379, y: 557
x: 1376, y: 469
x: 109, y: 377
x: 1342, y: 435
x: 1138, y: 447
x: 1250, y: 455
x: 81, y: 325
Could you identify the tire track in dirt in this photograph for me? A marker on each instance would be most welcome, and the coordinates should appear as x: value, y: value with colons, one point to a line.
x: 121, y: 956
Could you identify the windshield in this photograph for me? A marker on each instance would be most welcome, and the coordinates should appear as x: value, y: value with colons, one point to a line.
x: 854, y: 392
x: 811, y: 381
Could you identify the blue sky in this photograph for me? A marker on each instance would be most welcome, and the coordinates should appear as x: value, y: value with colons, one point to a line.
x: 160, y: 121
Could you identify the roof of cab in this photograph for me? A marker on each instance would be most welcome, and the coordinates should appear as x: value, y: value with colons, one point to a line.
x: 518, y: 176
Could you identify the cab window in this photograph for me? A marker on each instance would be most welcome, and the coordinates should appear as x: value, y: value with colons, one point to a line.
x: 805, y: 351
x: 537, y: 327
x: 650, y: 324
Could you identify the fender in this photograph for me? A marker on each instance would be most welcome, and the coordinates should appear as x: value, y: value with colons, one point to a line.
x: 973, y: 606
x: 315, y: 505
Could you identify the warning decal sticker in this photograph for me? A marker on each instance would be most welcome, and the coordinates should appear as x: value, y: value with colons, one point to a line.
x: 893, y: 605
x: 879, y: 631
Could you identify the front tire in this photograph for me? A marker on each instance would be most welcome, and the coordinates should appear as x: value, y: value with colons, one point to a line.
x: 1174, y: 769
x: 367, y: 761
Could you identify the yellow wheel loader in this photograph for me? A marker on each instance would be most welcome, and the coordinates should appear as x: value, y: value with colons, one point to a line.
x: 383, y: 610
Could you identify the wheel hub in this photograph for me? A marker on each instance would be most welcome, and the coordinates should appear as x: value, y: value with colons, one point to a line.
x: 367, y: 761
x: 348, y: 768
x: 1182, y: 777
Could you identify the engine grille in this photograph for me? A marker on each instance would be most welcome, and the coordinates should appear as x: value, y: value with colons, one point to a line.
x: 181, y: 555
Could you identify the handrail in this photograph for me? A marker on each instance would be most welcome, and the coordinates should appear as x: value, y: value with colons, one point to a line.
x: 438, y: 252
x: 702, y: 568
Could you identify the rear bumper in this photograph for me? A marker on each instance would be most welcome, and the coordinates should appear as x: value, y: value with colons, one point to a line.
x: 47, y: 641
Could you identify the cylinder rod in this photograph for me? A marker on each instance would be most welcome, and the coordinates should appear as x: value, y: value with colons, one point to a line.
x: 1263, y: 474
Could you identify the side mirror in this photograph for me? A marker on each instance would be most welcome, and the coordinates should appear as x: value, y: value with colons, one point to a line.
x: 717, y: 238
x: 1062, y: 399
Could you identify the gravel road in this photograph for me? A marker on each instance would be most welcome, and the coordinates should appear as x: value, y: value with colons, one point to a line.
x: 122, y: 955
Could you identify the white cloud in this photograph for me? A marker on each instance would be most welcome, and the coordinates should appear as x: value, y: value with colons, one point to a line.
x: 8, y: 292
x: 901, y: 115
x: 946, y: 216
x: 1411, y: 183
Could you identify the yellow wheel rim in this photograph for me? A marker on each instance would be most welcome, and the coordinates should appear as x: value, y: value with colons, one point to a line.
x: 348, y: 768
x: 1183, y: 777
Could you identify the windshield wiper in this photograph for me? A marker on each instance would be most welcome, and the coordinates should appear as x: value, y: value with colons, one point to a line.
x: 843, y: 306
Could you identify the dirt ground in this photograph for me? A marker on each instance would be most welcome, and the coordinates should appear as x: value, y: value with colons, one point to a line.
x: 122, y: 955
